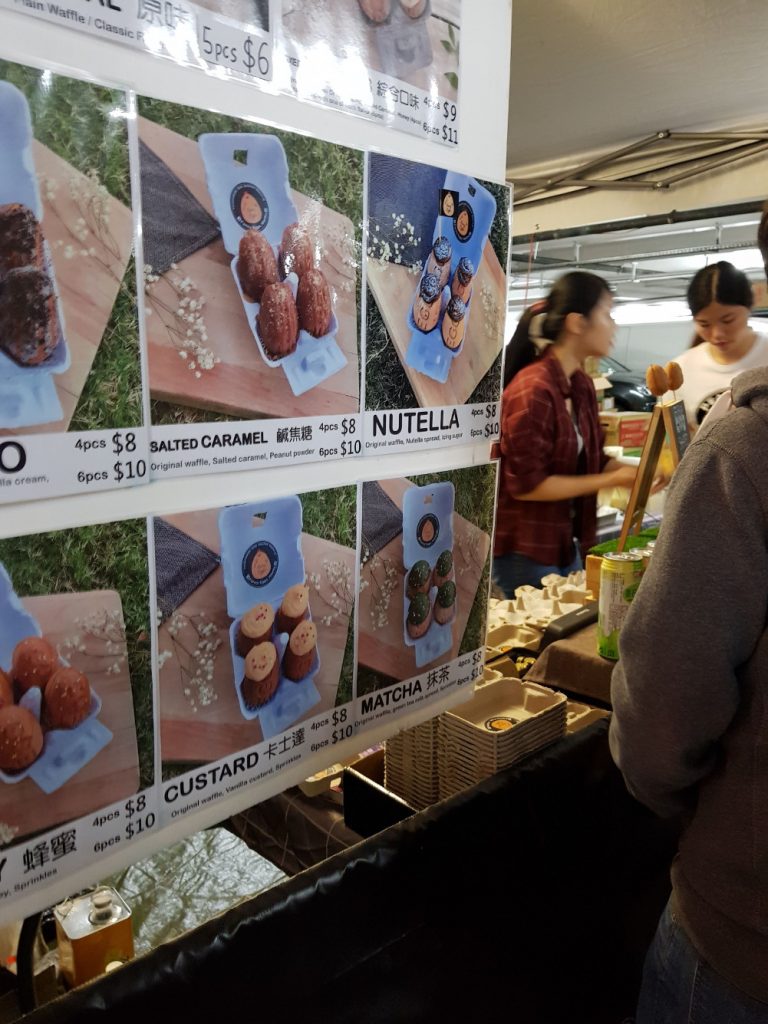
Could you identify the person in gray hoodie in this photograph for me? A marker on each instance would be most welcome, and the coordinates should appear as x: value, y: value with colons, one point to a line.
x: 690, y: 725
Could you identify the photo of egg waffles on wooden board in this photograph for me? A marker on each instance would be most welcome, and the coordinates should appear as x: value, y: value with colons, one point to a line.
x: 87, y: 628
x: 88, y: 274
x: 200, y: 715
x: 380, y: 631
x: 393, y: 289
x: 242, y: 384
x: 354, y: 27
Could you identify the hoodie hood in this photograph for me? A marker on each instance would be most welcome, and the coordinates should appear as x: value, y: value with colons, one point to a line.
x: 751, y: 388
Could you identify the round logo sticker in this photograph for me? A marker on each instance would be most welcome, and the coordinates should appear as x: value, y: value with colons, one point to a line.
x: 249, y: 206
x: 500, y: 723
x: 464, y: 224
x: 427, y: 530
x: 260, y: 563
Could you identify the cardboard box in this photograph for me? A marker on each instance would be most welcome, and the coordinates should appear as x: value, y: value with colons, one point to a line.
x: 369, y: 807
x: 627, y: 429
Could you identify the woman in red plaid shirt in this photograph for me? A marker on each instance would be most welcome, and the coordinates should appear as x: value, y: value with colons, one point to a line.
x: 551, y: 450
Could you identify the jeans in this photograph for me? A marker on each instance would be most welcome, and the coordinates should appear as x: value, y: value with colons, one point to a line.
x: 514, y: 570
x: 680, y: 988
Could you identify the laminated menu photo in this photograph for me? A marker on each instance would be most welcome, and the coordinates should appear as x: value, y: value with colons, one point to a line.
x: 415, y: 42
x: 76, y: 722
x: 424, y: 574
x: 69, y: 345
x: 436, y: 270
x: 251, y: 269
x: 255, y: 611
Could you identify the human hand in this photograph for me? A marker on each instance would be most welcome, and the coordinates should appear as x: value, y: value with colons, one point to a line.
x: 660, y: 481
x: 623, y: 476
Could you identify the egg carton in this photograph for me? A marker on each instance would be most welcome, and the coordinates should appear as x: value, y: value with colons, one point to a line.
x: 579, y: 716
x: 530, y: 704
x: 234, y: 163
x: 28, y: 395
x: 65, y: 751
x: 426, y: 351
x: 433, y: 505
x: 274, y: 528
x: 503, y: 639
x: 521, y: 622
x: 403, y: 42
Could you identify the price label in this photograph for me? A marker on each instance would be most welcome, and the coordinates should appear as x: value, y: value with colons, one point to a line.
x: 46, y: 465
x: 330, y: 729
x: 189, y: 449
x: 343, y: 733
x: 230, y: 47
x: 433, y: 683
x: 418, y: 429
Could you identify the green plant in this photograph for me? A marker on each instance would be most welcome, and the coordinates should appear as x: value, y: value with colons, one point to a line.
x: 451, y: 45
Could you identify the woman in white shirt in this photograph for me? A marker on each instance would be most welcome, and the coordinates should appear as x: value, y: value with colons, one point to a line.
x: 720, y: 300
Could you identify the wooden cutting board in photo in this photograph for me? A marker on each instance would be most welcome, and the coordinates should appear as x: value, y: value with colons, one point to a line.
x: 242, y: 384
x: 394, y: 287
x: 380, y: 643
x: 87, y: 285
x: 96, y: 618
x: 200, y: 720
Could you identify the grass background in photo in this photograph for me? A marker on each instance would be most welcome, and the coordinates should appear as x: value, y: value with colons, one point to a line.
x: 330, y: 174
x: 332, y: 516
x: 475, y: 499
x: 110, y: 556
x: 386, y: 383
x: 86, y: 125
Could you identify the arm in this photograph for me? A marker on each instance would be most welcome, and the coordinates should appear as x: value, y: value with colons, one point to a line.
x: 695, y: 620
x: 560, y: 488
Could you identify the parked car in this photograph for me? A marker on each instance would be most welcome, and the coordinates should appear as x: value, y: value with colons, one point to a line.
x: 628, y: 388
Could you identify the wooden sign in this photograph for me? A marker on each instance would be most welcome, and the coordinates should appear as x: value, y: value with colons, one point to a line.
x: 668, y: 420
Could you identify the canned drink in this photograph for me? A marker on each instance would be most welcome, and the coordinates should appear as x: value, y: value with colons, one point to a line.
x: 644, y: 554
x: 620, y: 574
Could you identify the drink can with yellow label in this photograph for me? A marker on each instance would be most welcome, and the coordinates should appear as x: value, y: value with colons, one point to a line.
x: 620, y: 574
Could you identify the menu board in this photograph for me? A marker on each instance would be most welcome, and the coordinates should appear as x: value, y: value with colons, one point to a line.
x: 255, y: 662
x: 267, y: 338
x: 392, y: 61
x: 76, y: 724
x: 251, y: 242
x: 281, y: 628
x: 68, y: 324
x: 424, y: 581
x: 436, y: 257
x: 395, y: 62
x: 186, y: 292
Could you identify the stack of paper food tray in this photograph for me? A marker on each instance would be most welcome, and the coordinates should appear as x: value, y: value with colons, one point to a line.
x: 410, y: 764
x: 505, y: 721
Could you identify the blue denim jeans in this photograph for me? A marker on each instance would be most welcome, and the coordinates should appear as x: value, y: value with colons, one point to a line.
x: 513, y: 570
x: 680, y: 988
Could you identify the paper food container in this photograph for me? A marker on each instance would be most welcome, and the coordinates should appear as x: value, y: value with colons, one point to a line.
x: 65, y: 751
x: 469, y: 750
x: 273, y: 528
x: 27, y: 393
x: 427, y: 533
x: 247, y: 177
x: 427, y: 352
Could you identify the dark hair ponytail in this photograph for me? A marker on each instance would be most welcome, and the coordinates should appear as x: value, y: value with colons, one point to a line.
x: 719, y: 282
x: 576, y: 292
